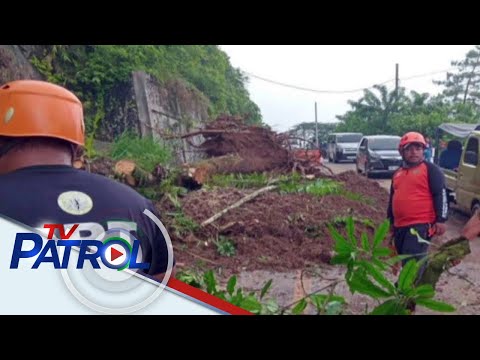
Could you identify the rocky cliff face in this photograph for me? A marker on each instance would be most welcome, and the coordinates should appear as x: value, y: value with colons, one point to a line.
x: 14, y: 63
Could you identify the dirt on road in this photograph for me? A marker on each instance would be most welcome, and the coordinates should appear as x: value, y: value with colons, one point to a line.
x: 284, y: 237
x: 277, y: 231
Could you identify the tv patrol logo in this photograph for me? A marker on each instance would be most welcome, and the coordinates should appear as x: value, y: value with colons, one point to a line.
x: 99, y: 264
x: 115, y: 252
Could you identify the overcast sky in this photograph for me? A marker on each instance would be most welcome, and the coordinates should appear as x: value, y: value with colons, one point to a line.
x: 337, y: 68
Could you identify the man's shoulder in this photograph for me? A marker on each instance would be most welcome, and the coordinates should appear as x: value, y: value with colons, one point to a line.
x: 432, y: 167
x: 110, y: 186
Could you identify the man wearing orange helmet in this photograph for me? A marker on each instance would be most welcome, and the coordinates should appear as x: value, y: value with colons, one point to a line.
x: 41, y: 129
x: 418, y: 198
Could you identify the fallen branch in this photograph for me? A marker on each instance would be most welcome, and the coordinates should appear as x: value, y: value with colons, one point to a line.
x: 329, y: 170
x: 206, y: 132
x: 237, y: 204
x: 296, y: 166
x: 442, y: 260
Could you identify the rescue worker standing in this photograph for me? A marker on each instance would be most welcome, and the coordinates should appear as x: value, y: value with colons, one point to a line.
x: 41, y: 130
x: 418, y: 199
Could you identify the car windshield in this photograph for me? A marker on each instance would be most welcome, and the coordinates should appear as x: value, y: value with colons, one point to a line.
x: 384, y: 144
x: 349, y: 138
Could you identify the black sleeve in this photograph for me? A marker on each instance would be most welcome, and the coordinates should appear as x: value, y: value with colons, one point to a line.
x: 436, y: 180
x: 390, y: 207
x: 159, y: 247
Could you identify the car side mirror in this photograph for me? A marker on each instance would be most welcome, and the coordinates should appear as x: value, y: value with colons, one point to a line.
x: 363, y: 147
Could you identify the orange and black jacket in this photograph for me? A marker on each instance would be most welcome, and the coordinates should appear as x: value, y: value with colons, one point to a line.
x: 418, y: 196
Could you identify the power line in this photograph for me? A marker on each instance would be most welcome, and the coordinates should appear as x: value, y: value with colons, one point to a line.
x: 341, y: 91
x: 428, y: 74
x: 302, y: 88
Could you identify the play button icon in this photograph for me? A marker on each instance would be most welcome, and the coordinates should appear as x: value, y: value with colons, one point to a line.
x: 115, y: 254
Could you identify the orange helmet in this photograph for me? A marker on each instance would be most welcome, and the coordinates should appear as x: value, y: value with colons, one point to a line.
x: 411, y: 137
x: 38, y: 108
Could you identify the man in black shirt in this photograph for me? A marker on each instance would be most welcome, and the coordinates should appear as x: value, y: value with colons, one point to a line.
x: 41, y: 130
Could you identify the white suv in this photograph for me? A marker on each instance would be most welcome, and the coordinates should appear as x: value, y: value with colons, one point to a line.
x: 343, y: 146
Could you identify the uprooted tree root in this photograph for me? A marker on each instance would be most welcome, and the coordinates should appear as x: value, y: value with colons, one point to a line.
x: 232, y: 146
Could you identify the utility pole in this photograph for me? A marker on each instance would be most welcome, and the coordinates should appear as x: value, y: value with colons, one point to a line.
x: 396, y: 81
x: 316, y: 127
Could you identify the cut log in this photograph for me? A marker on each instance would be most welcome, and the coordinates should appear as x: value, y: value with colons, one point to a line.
x: 204, y: 170
x: 451, y: 252
x: 78, y: 164
x: 129, y: 171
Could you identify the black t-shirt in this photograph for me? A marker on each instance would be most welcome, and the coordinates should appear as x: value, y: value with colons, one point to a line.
x: 39, y: 195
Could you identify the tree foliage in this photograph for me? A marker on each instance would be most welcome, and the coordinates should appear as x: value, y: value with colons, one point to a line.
x: 463, y: 85
x: 92, y: 71
x: 385, y: 112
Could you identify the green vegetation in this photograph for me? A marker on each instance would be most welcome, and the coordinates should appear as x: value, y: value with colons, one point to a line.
x: 320, y: 187
x: 287, y: 184
x: 181, y: 224
x: 241, y: 181
x: 382, y: 110
x: 367, y: 263
x: 93, y: 72
x: 252, y: 301
x: 146, y: 152
x: 225, y: 246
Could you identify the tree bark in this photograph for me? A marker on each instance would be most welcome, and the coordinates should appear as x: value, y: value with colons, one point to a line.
x: 129, y: 171
x: 204, y: 170
x: 441, y: 260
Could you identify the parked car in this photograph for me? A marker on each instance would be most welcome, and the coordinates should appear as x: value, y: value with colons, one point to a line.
x: 343, y: 146
x: 460, y: 163
x: 378, y: 154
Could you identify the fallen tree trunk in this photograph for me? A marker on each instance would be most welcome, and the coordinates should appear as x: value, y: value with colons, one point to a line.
x: 452, y: 251
x: 132, y: 174
x: 227, y: 164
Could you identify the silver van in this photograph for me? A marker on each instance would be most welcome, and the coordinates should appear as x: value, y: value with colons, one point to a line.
x: 343, y: 146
